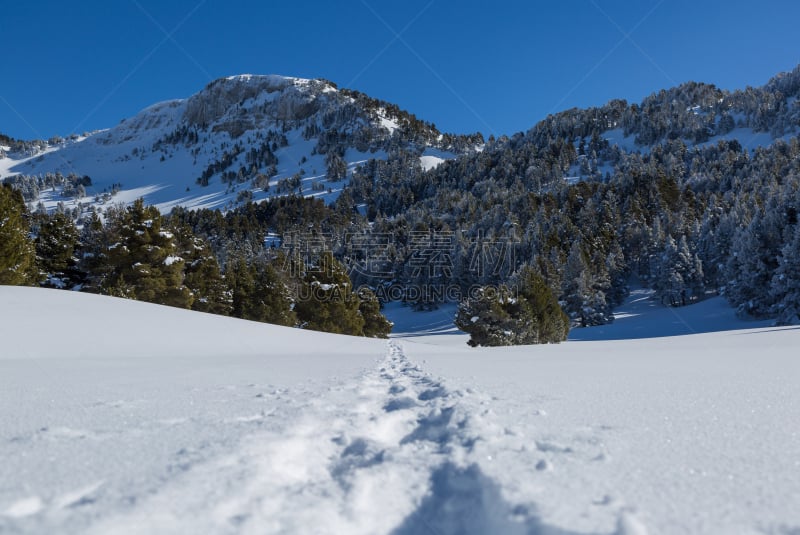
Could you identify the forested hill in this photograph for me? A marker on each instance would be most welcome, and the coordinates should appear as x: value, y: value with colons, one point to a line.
x: 693, y: 190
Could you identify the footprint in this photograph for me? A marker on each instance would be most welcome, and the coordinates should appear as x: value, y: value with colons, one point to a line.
x: 399, y: 404
x: 433, y: 427
x: 432, y: 393
x: 549, y: 447
x: 544, y: 466
x: 396, y: 389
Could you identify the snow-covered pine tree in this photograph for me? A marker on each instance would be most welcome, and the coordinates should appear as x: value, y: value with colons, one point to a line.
x: 785, y: 287
x: 575, y: 287
x: 752, y: 264
x: 56, y: 242
x: 336, y: 167
x: 526, y: 313
x: 327, y: 301
x: 145, y: 260
x: 485, y: 319
x: 202, y: 274
x: 582, y: 292
x: 375, y: 323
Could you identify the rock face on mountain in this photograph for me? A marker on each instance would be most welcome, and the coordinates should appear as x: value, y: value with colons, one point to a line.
x: 279, y: 99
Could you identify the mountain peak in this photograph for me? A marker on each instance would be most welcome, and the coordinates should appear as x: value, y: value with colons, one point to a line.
x: 281, y: 97
x: 261, y: 78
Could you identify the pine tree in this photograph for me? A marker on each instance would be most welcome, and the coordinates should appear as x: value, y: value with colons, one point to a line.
x: 668, y: 282
x: 582, y: 293
x: 545, y: 321
x: 56, y: 243
x: 17, y: 252
x: 92, y: 248
x: 270, y: 300
x: 575, y: 287
x: 691, y: 271
x: 785, y: 288
x: 754, y: 260
x: 485, y: 319
x: 240, y: 279
x: 144, y: 260
x: 499, y: 316
x: 202, y: 275
x: 336, y: 167
x: 327, y: 301
x: 375, y: 324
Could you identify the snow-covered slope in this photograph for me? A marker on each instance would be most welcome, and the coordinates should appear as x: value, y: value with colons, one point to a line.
x: 747, y: 137
x: 124, y: 417
x: 243, y: 135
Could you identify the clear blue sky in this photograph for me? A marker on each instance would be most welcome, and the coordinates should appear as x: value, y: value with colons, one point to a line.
x: 495, y: 67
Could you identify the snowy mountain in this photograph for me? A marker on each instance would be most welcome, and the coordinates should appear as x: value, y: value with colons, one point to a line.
x: 241, y: 138
x: 133, y: 418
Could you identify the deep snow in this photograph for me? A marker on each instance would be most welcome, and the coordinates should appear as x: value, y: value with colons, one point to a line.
x: 125, y: 417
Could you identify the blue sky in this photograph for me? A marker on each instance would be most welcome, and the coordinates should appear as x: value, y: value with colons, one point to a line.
x: 495, y: 67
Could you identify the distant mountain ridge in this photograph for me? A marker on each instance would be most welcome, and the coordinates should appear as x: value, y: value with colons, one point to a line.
x: 251, y: 137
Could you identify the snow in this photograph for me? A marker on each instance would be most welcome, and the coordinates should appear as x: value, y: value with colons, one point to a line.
x: 682, y: 434
x: 430, y: 162
x: 641, y: 316
x: 628, y: 144
x: 387, y: 123
x: 324, y: 287
x: 432, y: 157
x: 136, y: 418
x: 748, y: 138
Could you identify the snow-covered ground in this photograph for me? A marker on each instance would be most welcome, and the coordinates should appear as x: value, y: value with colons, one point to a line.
x: 124, y: 417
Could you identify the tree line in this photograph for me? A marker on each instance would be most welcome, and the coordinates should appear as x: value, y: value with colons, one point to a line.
x: 134, y: 252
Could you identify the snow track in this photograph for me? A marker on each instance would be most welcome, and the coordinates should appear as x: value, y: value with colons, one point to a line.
x: 388, y: 451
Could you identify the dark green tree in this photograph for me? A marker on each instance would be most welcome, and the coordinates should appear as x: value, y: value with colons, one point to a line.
x: 202, y: 274
x: 145, y: 260
x: 241, y: 283
x: 327, y: 301
x: 543, y: 319
x: 17, y: 252
x: 525, y: 313
x: 375, y: 323
x: 92, y: 258
x: 485, y: 318
x: 271, y: 301
x: 56, y: 242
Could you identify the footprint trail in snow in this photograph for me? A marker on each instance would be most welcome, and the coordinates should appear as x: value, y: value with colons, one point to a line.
x: 393, y: 450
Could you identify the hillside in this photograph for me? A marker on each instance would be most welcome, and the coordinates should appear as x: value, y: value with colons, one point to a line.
x: 136, y: 418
